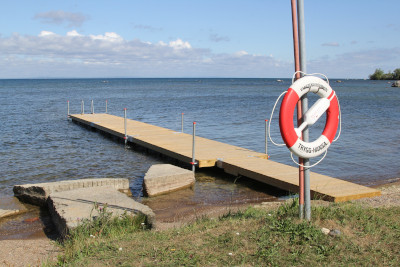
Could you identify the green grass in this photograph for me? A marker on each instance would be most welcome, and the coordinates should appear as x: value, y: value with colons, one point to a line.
x: 254, y: 237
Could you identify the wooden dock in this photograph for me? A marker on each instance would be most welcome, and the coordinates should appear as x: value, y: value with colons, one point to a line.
x: 234, y: 160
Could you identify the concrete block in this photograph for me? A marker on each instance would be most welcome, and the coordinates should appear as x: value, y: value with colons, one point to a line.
x: 37, y: 194
x: 69, y: 208
x: 165, y: 178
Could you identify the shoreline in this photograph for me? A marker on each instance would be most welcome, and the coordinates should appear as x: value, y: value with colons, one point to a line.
x: 40, y: 247
x: 34, y: 223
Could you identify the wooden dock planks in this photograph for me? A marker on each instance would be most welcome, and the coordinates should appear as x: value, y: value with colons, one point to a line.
x: 234, y: 160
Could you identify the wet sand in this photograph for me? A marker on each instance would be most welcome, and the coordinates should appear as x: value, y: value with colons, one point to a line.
x: 31, y: 223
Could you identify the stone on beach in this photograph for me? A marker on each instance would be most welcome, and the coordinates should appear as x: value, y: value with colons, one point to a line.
x: 71, y: 202
x: 69, y: 208
x: 37, y: 194
x: 165, y: 178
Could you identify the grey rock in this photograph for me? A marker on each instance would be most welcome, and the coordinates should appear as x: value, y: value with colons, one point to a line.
x: 165, y: 178
x: 335, y: 232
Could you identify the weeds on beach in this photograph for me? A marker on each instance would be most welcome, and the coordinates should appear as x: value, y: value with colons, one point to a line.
x: 257, y: 236
x: 90, y: 237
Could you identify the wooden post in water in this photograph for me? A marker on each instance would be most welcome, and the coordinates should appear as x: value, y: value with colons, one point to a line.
x: 182, y: 123
x: 193, y: 148
x: 266, y: 137
x: 126, y: 136
x: 68, y: 108
x: 82, y: 107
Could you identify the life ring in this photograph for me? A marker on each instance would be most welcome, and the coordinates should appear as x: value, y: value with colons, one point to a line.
x: 330, y: 104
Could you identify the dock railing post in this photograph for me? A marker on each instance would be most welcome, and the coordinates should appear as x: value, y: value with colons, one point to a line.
x: 266, y: 137
x: 92, y: 107
x: 82, y: 107
x: 126, y: 136
x: 182, y: 123
x: 106, y: 105
x: 193, y: 148
x: 67, y: 108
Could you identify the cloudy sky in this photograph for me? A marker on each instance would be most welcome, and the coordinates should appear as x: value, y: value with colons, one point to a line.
x: 194, y: 38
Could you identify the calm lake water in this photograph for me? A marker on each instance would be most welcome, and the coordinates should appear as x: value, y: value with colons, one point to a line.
x: 38, y: 143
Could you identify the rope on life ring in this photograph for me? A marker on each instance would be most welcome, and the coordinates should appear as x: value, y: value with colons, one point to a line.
x: 328, y: 102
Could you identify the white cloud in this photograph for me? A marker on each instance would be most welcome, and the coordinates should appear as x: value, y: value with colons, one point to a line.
x: 147, y: 28
x: 46, y: 33
x: 356, y: 64
x: 59, y: 17
x: 241, y: 53
x: 110, y: 55
x: 335, y: 44
x: 179, y: 44
x: 108, y: 36
x: 218, y: 38
x: 73, y: 33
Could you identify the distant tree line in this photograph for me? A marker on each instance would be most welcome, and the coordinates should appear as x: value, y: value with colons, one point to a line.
x: 380, y: 75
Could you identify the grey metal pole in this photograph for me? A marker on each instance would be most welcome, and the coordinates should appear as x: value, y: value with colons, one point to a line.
x: 266, y: 137
x: 68, y: 108
x: 193, y: 147
x: 126, y: 136
x: 92, y: 107
x: 303, y: 67
x: 82, y: 107
x: 106, y: 106
x: 299, y: 103
x: 182, y: 123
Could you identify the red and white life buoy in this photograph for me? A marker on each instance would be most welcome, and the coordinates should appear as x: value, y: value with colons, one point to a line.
x: 328, y: 102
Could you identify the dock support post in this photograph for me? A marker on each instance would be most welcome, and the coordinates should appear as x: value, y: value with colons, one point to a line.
x: 68, y: 108
x: 182, y: 123
x: 92, y: 107
x: 106, y: 105
x: 82, y: 107
x: 193, y: 148
x: 266, y: 137
x: 126, y: 136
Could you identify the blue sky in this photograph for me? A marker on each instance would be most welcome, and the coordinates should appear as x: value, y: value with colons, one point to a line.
x: 177, y: 38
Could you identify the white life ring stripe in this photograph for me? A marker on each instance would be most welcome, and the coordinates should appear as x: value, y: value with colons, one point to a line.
x: 308, y: 150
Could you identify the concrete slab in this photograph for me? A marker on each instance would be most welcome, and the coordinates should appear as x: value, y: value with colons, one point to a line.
x: 69, y: 208
x: 37, y: 194
x: 165, y: 178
